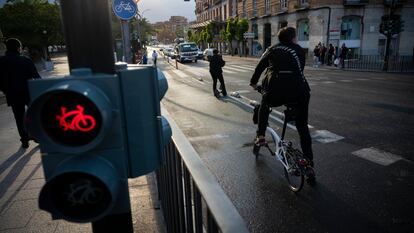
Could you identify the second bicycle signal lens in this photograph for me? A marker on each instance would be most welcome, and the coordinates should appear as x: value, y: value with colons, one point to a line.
x: 70, y: 118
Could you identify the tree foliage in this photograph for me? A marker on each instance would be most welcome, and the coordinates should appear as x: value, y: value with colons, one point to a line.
x: 35, y: 22
x: 242, y: 27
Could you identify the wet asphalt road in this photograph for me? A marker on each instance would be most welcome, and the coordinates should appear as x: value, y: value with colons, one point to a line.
x: 363, y: 111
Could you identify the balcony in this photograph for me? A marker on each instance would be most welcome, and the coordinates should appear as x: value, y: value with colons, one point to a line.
x: 396, y: 2
x: 265, y: 11
x: 355, y: 2
x: 206, y: 5
x: 252, y: 14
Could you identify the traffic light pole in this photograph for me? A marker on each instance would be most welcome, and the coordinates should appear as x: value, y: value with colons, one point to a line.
x: 87, y: 29
x: 89, y: 44
x: 389, y: 37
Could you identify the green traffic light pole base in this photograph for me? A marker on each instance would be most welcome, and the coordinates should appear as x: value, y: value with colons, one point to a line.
x: 120, y: 223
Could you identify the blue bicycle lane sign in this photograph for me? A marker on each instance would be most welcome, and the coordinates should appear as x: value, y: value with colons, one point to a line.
x: 124, y: 9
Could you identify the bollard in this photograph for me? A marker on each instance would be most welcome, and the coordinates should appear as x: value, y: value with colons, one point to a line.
x: 176, y: 64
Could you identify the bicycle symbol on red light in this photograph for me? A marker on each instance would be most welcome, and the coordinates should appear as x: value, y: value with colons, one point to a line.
x: 75, y: 120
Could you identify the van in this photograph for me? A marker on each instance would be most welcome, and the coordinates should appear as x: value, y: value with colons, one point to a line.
x: 187, y: 51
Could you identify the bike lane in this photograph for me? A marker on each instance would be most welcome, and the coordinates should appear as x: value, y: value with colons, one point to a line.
x: 352, y: 195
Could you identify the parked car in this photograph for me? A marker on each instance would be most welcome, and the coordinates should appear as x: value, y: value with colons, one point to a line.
x: 208, y: 53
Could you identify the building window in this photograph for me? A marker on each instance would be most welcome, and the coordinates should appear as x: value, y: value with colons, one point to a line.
x: 351, y: 28
x: 303, y: 30
x: 254, y: 8
x: 303, y: 2
x: 255, y: 30
x: 225, y: 11
x: 283, y: 4
x: 244, y: 8
x: 267, y: 6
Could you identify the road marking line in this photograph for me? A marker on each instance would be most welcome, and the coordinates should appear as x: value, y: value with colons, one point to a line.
x: 327, y: 82
x: 167, y: 75
x: 345, y: 81
x: 377, y: 156
x: 239, y: 67
x: 229, y: 71
x: 361, y: 79
x: 208, y: 137
x: 243, y: 91
x: 325, y: 136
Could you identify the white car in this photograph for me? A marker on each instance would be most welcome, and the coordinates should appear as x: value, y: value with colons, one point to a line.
x: 208, y: 53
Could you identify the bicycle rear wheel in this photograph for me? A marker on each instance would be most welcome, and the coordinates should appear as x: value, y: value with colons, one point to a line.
x: 295, y: 175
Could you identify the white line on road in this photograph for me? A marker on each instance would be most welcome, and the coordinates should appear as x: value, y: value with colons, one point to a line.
x: 238, y: 68
x: 377, y: 156
x: 244, y: 91
x: 361, y: 79
x: 325, y: 136
x: 228, y: 71
x: 207, y: 137
x: 327, y: 82
x: 345, y: 81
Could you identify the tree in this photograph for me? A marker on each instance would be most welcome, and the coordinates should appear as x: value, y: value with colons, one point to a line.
x: 242, y: 27
x: 231, y: 29
x: 36, y: 23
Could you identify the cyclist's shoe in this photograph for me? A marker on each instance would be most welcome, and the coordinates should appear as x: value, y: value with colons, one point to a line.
x: 310, y: 175
x: 25, y: 144
x: 260, y: 142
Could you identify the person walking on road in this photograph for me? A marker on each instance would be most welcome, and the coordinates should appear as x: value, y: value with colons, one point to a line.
x: 15, y: 70
x: 216, y: 71
x: 154, y: 57
x: 316, y: 54
x: 284, y: 83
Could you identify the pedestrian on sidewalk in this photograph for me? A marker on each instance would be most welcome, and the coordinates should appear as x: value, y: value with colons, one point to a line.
x: 15, y: 70
x: 154, y: 57
x: 316, y: 54
x: 330, y: 54
x: 216, y: 71
x: 322, y: 53
x: 342, y: 55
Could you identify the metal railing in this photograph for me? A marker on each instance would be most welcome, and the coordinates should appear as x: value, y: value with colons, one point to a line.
x: 190, y: 196
x: 376, y: 63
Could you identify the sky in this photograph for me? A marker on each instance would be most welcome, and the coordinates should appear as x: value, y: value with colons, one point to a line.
x: 161, y: 10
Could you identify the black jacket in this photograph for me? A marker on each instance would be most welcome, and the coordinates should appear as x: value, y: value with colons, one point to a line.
x: 216, y: 62
x: 15, y: 70
x: 283, y: 75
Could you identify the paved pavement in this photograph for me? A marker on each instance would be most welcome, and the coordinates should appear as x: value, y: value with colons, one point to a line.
x: 21, y: 179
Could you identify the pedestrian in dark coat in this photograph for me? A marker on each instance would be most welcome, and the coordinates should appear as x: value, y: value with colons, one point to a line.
x: 15, y: 70
x: 216, y: 71
x: 342, y: 55
x: 331, y: 52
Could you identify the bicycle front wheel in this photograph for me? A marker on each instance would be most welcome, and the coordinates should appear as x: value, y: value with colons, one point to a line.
x: 295, y: 175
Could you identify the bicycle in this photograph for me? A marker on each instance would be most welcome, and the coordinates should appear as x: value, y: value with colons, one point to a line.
x: 75, y: 120
x: 295, y: 166
x: 124, y: 6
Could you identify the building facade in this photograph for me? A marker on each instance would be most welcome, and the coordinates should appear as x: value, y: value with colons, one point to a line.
x: 353, y: 22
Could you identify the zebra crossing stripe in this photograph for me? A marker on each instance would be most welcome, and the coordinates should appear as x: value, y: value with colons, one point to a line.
x: 229, y: 71
x: 377, y: 156
x: 237, y: 68
x: 180, y: 73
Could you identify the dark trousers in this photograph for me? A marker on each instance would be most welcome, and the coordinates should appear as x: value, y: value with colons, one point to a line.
x: 218, y: 76
x: 18, y: 111
x: 301, y: 121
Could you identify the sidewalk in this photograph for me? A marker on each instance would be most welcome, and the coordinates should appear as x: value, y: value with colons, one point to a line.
x: 21, y: 179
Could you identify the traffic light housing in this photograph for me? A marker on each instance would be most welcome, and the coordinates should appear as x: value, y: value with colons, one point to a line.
x: 95, y: 132
x: 391, y: 24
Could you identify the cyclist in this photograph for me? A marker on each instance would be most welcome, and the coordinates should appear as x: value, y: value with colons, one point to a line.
x: 284, y: 83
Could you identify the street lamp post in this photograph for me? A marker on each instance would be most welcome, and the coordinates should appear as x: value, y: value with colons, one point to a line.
x: 45, y: 50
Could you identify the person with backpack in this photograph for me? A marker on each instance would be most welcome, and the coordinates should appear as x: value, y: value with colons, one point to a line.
x: 216, y: 71
x: 284, y: 83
